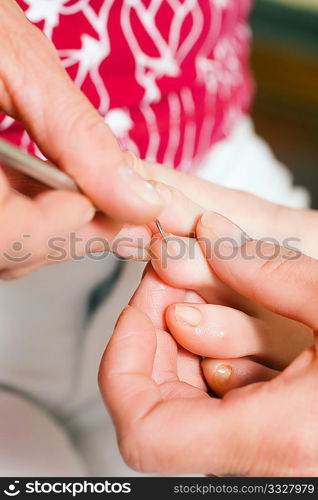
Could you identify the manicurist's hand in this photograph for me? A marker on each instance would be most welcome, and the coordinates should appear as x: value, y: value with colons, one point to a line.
x: 35, y: 89
x: 165, y: 420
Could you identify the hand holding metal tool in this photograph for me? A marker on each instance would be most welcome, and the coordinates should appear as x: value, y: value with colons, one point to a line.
x: 44, y: 171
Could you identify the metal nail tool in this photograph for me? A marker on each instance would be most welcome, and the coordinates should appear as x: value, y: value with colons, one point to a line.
x: 161, y: 231
x: 44, y: 171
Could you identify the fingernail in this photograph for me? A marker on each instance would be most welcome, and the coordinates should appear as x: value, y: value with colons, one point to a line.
x: 188, y: 314
x: 89, y: 214
x: 231, y: 234
x: 138, y: 165
x: 131, y: 252
x: 143, y: 189
x: 222, y: 376
x: 163, y: 191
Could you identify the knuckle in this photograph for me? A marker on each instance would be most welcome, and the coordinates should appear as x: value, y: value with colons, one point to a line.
x: 82, y: 122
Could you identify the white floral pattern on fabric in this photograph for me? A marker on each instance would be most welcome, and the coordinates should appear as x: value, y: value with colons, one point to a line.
x: 172, y: 74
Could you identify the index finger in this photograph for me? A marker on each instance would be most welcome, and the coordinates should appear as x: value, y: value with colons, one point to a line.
x: 64, y: 124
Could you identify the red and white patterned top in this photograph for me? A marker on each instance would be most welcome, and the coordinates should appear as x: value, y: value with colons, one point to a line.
x: 171, y: 77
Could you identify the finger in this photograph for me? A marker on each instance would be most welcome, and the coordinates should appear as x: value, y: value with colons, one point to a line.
x: 218, y: 331
x: 180, y: 214
x: 170, y: 363
x: 23, y: 184
x: 189, y: 369
x: 180, y: 263
x: 132, y: 242
x: 154, y: 296
x: 32, y: 225
x: 38, y: 250
x: 104, y: 234
x: 80, y: 143
x: 261, y: 271
x: 224, y: 375
x: 237, y: 205
x: 179, y: 217
x: 165, y: 361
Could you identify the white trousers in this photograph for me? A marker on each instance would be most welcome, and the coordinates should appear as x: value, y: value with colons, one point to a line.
x: 52, y: 419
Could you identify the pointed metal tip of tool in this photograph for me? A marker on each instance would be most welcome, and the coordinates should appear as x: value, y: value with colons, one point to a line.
x: 161, y: 231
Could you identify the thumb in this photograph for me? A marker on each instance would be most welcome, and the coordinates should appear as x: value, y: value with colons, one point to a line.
x: 35, y: 88
x: 282, y: 280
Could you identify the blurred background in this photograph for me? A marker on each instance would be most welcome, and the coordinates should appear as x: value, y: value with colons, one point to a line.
x: 285, y: 63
